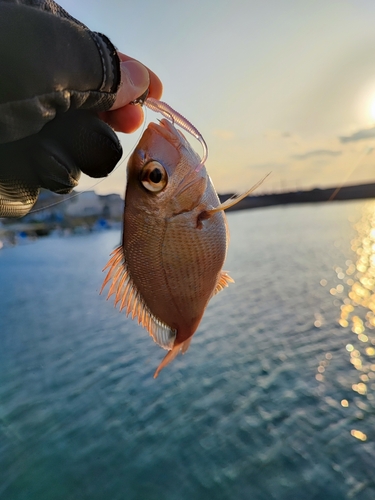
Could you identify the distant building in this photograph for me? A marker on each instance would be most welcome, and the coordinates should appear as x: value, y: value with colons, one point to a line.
x: 51, y: 207
x: 86, y: 204
x: 48, y: 207
x: 112, y: 206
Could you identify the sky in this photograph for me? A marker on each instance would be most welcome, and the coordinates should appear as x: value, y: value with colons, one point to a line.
x: 280, y: 86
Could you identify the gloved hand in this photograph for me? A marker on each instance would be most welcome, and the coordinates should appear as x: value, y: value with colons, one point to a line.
x: 53, y: 159
x: 57, y: 79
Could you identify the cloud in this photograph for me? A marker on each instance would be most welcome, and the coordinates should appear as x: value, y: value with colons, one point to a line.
x: 360, y: 135
x: 316, y: 153
x: 267, y: 166
x: 226, y: 135
x: 276, y: 134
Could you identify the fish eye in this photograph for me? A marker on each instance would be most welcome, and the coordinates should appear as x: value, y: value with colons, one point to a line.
x: 154, y: 176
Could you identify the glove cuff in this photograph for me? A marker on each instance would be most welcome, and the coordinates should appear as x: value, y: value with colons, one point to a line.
x: 110, y: 62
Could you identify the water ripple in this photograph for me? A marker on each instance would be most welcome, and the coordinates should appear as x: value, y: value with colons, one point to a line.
x: 267, y: 403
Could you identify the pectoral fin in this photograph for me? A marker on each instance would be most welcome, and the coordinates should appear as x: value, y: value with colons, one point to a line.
x: 223, y: 282
x: 232, y: 201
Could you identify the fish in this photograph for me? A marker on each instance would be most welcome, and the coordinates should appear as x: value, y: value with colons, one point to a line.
x: 174, y: 240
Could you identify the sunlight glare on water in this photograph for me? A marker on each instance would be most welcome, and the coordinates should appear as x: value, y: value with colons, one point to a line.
x: 358, y: 312
x: 273, y: 400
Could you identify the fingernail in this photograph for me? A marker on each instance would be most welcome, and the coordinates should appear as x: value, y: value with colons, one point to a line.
x: 137, y: 74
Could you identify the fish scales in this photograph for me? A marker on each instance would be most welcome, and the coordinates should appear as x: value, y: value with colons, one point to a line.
x: 174, y: 241
x: 195, y: 261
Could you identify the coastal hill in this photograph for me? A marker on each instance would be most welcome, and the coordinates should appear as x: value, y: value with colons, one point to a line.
x: 88, y: 211
x: 52, y: 210
x: 356, y: 192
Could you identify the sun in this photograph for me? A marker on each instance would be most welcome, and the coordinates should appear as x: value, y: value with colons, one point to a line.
x: 372, y: 110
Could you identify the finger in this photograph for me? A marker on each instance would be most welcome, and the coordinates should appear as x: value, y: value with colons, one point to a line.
x: 126, y: 119
x: 135, y: 80
x: 156, y: 87
x: 74, y: 141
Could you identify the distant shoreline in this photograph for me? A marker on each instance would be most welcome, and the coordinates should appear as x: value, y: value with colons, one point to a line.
x: 356, y: 192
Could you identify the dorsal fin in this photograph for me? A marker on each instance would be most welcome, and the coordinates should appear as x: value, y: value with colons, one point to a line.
x: 223, y: 282
x: 130, y: 298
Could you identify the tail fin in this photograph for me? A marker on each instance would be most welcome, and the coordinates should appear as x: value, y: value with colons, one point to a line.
x: 167, y: 359
x: 172, y: 354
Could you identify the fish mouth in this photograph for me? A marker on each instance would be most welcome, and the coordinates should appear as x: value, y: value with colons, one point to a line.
x: 162, y: 126
x: 167, y: 130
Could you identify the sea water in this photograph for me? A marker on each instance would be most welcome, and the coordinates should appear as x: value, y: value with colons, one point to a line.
x: 275, y: 398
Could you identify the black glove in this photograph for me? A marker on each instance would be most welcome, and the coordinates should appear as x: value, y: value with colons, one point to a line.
x: 55, y: 75
x: 53, y: 159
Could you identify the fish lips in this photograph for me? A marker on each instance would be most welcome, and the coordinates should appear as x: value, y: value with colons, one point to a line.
x: 167, y: 130
x: 158, y: 145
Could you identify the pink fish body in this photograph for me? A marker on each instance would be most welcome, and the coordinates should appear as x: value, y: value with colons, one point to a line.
x: 174, y: 241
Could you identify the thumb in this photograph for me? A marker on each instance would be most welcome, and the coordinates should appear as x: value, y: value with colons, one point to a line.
x: 135, y: 80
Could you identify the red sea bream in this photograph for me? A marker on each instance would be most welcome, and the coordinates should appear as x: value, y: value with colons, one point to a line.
x: 174, y: 240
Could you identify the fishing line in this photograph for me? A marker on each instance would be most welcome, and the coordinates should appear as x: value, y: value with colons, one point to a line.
x: 100, y: 180
x: 366, y: 152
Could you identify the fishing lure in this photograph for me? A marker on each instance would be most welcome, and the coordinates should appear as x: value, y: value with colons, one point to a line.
x: 176, y: 118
